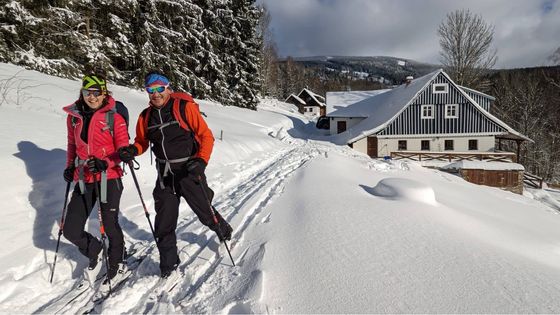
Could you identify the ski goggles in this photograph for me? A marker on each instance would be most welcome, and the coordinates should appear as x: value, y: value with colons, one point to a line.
x: 94, y: 93
x: 153, y: 89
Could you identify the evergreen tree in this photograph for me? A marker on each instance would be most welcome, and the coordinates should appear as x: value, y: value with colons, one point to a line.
x: 206, y: 47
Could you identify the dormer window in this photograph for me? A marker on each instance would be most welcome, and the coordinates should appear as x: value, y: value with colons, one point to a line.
x: 440, y: 88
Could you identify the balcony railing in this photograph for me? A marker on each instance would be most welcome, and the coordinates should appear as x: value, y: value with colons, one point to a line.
x: 455, y: 156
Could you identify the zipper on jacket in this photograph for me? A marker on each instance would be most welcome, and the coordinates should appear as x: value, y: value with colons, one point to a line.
x: 162, y: 136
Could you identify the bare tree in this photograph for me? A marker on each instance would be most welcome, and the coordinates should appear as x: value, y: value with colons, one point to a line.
x: 466, y: 52
x: 555, y: 57
x: 268, y: 56
x: 555, y: 60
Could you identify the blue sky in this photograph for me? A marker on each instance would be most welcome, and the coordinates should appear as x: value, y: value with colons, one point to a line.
x: 526, y: 33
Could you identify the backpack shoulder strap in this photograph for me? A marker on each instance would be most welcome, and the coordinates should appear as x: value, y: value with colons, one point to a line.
x: 145, y: 116
x: 110, y: 119
x: 121, y: 109
x: 180, y: 113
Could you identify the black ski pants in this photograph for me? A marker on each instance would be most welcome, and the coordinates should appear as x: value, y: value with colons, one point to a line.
x: 167, y: 201
x: 80, y: 208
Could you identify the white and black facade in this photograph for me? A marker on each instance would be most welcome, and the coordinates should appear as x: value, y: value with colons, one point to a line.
x: 431, y: 113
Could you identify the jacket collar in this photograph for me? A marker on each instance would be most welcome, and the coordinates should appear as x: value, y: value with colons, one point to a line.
x: 72, y: 109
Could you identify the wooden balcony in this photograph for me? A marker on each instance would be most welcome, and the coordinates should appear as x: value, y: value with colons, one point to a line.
x: 455, y: 156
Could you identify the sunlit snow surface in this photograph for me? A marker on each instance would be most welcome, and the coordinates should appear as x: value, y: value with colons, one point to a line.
x: 318, y: 228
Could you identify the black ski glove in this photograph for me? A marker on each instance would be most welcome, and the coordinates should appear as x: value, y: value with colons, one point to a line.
x: 196, y: 167
x: 69, y: 174
x: 127, y: 154
x: 96, y: 165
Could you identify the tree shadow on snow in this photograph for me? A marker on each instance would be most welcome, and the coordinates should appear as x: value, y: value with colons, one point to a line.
x: 45, y: 168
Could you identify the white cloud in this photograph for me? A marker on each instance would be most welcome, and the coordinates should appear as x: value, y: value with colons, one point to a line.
x: 525, y: 33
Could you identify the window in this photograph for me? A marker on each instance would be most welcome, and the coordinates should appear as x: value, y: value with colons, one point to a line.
x: 427, y: 111
x: 340, y: 126
x: 448, y: 145
x: 425, y: 145
x: 451, y: 111
x: 440, y: 88
x: 402, y: 145
x: 473, y: 144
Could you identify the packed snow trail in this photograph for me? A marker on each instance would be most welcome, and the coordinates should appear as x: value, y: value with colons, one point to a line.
x: 201, y: 255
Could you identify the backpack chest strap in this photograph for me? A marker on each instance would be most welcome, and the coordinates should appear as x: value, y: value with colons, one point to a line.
x: 164, y: 125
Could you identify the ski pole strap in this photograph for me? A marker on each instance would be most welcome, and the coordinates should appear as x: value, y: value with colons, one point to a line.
x: 167, y: 168
x: 134, y: 165
x: 103, y: 186
x: 79, y: 163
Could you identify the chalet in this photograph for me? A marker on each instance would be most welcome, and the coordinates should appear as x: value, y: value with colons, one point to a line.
x: 308, y: 103
x: 294, y: 99
x: 427, y: 114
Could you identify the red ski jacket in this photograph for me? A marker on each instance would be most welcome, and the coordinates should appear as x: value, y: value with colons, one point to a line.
x: 101, y: 143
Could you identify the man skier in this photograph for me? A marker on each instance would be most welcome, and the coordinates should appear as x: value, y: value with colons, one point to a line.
x: 182, y: 144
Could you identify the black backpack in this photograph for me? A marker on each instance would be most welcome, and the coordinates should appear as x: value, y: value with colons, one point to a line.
x: 110, y: 116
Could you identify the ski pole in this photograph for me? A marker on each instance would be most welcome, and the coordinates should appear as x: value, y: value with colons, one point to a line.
x: 142, y: 199
x: 102, y: 229
x: 60, y: 227
x: 214, y: 218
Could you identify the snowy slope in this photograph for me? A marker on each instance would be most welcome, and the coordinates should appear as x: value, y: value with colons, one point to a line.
x: 318, y: 228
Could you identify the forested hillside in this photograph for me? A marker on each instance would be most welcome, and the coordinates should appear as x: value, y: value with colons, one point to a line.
x: 528, y: 100
x: 209, y: 48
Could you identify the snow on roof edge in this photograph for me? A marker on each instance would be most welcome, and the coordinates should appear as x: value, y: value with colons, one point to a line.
x: 477, y: 92
x: 383, y: 125
x: 484, y: 112
x: 492, y: 117
x: 313, y: 94
x: 296, y: 97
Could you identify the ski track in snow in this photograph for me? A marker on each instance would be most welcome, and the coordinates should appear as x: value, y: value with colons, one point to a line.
x: 250, y: 199
x: 205, y: 265
x: 206, y: 270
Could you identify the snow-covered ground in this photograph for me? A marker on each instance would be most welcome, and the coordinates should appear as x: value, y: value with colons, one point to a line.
x: 318, y: 228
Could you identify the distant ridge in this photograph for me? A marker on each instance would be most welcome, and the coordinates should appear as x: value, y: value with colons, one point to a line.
x: 392, y: 69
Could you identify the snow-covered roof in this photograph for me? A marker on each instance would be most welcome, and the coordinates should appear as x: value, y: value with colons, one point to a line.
x: 339, y: 100
x: 483, y: 165
x: 381, y: 109
x: 296, y: 98
x: 318, y: 98
x: 466, y: 89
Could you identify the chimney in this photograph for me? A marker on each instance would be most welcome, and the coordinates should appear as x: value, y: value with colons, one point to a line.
x: 409, y: 79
